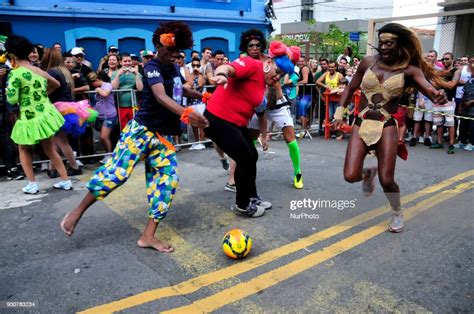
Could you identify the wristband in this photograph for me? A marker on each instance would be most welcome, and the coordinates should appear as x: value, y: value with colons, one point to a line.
x: 185, y: 115
x: 223, y: 74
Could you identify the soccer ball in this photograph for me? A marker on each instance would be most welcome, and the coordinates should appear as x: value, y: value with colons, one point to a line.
x: 236, y: 244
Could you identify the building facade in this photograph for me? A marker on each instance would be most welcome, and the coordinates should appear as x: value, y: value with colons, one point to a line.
x: 96, y: 25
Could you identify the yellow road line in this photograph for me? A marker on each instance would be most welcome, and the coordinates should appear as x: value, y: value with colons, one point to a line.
x: 287, y: 271
x: 240, y: 267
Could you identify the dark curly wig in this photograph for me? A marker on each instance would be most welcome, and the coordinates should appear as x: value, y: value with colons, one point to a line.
x: 249, y: 35
x: 20, y: 46
x: 181, y: 31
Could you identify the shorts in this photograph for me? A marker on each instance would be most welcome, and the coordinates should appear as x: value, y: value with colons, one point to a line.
x: 419, y: 115
x: 109, y: 123
x: 302, y: 105
x: 448, y: 108
x: 281, y: 117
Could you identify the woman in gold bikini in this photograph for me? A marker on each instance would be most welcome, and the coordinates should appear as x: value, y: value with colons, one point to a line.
x: 382, y: 79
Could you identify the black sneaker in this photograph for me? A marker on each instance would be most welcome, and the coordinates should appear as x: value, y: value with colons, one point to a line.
x: 428, y: 142
x: 230, y: 187
x: 252, y: 210
x: 14, y: 174
x: 74, y: 172
x: 413, y: 141
x: 52, y: 174
x: 225, y: 164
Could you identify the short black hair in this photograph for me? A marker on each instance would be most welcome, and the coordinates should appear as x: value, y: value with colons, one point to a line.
x: 196, y: 59
x: 19, y: 46
x: 218, y: 52
x: 206, y: 48
x: 124, y: 54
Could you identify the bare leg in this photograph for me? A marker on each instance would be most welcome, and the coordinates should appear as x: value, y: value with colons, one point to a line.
x: 71, y: 219
x: 50, y: 151
x: 439, y: 132
x: 26, y: 161
x: 62, y: 142
x: 428, y: 128
x: 355, y: 155
x: 148, y: 240
x: 452, y: 134
x: 386, y: 150
x: 416, y: 130
x: 105, y: 138
x: 231, y: 179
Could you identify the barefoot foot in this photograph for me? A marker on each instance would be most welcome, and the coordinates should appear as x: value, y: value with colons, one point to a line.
x: 155, y: 244
x: 68, y: 224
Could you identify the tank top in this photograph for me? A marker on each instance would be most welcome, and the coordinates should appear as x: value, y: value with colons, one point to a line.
x: 332, y: 82
x: 302, y: 89
x: 465, y: 76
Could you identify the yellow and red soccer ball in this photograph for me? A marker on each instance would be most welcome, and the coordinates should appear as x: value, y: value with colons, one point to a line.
x: 236, y: 244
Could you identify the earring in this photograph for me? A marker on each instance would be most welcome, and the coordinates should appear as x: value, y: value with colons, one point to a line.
x: 267, y: 68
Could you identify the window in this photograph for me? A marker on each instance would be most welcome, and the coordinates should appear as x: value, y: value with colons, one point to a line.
x: 306, y: 15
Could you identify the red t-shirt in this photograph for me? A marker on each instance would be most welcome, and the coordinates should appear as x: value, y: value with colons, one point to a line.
x: 244, y: 92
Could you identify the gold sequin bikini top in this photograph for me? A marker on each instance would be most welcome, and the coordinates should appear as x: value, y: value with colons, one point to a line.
x: 391, y: 88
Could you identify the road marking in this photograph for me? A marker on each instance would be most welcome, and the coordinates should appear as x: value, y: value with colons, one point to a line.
x: 291, y: 269
x: 194, y: 284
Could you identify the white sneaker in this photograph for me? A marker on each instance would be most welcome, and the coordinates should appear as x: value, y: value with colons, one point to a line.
x: 469, y: 147
x: 44, y: 166
x: 105, y: 159
x: 251, y: 210
x: 260, y: 202
x: 396, y: 225
x: 408, y: 137
x: 79, y: 163
x: 200, y: 147
x: 31, y: 188
x: 421, y: 140
x: 459, y: 145
x: 193, y: 147
x: 63, y: 185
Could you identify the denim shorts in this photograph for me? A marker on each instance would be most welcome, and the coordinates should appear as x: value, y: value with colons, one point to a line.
x: 109, y: 123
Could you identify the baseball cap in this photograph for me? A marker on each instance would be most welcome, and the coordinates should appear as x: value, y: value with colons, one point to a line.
x: 134, y: 56
x: 77, y: 51
x: 148, y: 53
x: 113, y: 48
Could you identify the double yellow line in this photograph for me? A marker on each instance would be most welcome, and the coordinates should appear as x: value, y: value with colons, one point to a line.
x: 275, y: 276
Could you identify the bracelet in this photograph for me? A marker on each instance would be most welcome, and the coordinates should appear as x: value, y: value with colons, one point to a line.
x: 223, y: 74
x: 205, y: 97
x: 185, y: 115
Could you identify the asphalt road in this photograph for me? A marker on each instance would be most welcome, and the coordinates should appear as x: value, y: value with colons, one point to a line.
x: 339, y: 260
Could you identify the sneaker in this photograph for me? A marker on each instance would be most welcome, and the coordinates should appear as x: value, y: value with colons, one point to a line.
x: 14, y: 174
x: 200, y: 146
x: 421, y: 140
x: 460, y: 145
x: 79, y: 163
x: 408, y: 137
x: 436, y: 146
x: 469, y: 147
x: 298, y: 181
x: 52, y: 174
x: 44, y: 166
x: 230, y: 187
x: 413, y: 141
x: 105, y: 159
x: 63, y: 185
x: 396, y: 225
x: 428, y: 141
x: 31, y: 188
x: 451, y: 149
x: 74, y: 172
x: 225, y: 164
x: 261, y: 203
x: 251, y: 210
x: 368, y: 185
x: 193, y: 147
x: 300, y: 135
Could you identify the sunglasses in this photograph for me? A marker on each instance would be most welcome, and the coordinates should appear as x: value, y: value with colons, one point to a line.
x: 254, y: 46
x: 79, y: 56
x: 196, y: 65
x: 446, y: 59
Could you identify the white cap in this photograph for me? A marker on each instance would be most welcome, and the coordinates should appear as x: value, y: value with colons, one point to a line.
x: 76, y: 51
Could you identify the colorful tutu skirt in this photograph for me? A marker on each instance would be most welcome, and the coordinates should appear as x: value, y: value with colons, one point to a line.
x: 33, y: 127
x: 77, y: 116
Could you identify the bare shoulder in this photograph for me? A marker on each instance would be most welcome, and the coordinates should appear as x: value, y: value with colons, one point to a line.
x: 366, y: 63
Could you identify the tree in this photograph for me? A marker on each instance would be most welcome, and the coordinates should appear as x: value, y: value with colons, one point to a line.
x: 333, y: 42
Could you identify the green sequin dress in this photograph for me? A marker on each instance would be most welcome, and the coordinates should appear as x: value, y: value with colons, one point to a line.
x: 39, y: 119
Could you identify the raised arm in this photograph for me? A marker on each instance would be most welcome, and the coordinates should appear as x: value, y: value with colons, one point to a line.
x: 436, y: 96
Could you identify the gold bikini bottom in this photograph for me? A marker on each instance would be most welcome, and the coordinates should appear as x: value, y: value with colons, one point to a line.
x: 371, y: 130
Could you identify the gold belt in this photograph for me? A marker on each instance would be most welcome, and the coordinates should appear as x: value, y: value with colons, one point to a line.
x: 370, y: 131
